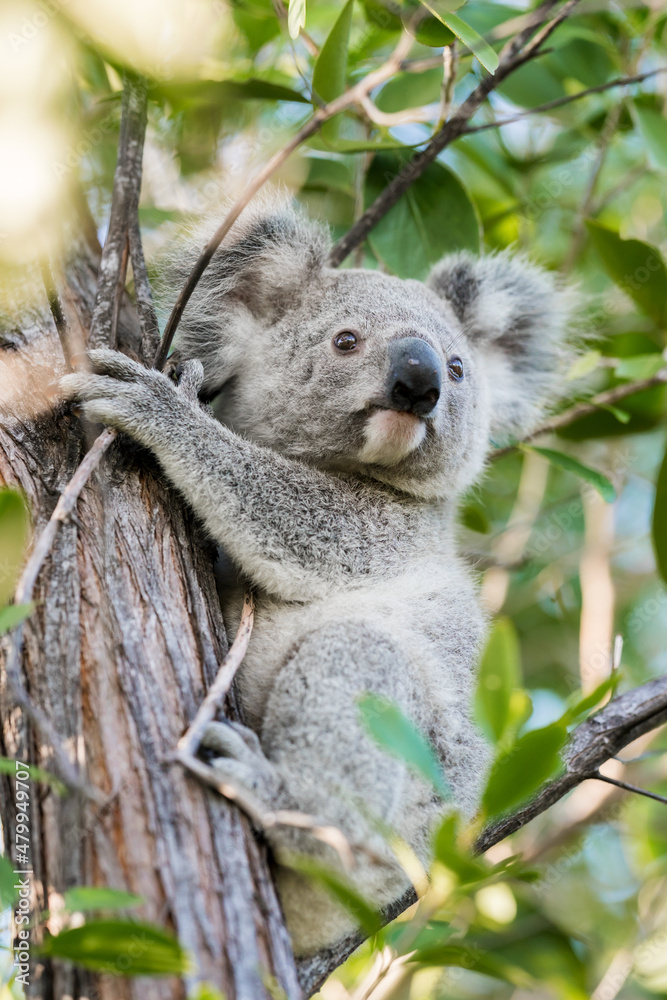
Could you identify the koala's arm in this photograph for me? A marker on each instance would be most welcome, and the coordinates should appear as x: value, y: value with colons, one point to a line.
x: 291, y: 529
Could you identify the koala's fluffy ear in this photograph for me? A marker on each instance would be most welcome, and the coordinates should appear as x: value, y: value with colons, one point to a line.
x: 519, y: 317
x: 263, y: 267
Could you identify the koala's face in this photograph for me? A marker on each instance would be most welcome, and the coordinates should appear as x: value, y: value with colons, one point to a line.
x: 365, y: 373
x: 369, y: 374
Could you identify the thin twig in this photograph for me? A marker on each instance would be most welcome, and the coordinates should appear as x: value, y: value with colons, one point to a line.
x: 562, y: 101
x: 449, y: 66
x: 351, y: 97
x: 56, y: 308
x: 265, y: 819
x: 119, y: 293
x: 514, y: 55
x: 124, y: 203
x: 150, y: 330
x: 188, y: 745
x: 584, y: 409
x: 628, y: 787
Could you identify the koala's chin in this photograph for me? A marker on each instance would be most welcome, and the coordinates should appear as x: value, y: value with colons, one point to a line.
x: 390, y: 436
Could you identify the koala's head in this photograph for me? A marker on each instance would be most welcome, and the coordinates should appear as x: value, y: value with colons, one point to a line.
x: 357, y: 371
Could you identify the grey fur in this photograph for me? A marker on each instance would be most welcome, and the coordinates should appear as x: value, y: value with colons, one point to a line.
x: 353, y: 557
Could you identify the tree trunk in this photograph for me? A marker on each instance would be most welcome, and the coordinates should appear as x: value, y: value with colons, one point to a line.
x: 126, y: 638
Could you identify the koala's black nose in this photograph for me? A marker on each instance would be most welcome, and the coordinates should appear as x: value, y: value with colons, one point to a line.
x: 415, y: 376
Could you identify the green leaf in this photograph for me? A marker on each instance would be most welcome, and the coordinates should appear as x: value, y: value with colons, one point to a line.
x: 119, y: 947
x: 435, y: 216
x: 636, y: 267
x: 584, y: 705
x: 410, y: 90
x: 475, y: 519
x: 397, y: 734
x: 459, y: 861
x: 296, y: 17
x: 206, y: 991
x: 13, y: 615
x: 210, y: 95
x: 659, y: 530
x: 622, y: 416
x: 584, y: 365
x: 326, y: 175
x: 640, y: 367
x: 9, y: 766
x: 89, y: 897
x: 653, y: 128
x: 519, y: 770
x: 383, y: 141
x: 468, y: 35
x: 14, y: 528
x: 499, y: 674
x: 7, y: 880
x: 368, y: 917
x: 592, y: 476
x: 474, y: 958
x: 330, y: 74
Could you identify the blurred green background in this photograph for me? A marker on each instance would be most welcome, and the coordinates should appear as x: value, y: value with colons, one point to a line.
x: 566, y: 563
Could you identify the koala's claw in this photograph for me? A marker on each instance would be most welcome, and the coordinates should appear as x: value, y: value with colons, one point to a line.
x: 239, y: 760
x: 191, y: 378
x: 231, y: 739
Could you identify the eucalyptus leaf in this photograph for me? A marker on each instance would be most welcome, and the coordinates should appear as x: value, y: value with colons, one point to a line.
x: 592, y: 476
x: 397, y: 734
x: 7, y: 880
x: 14, y: 528
x: 330, y: 74
x: 436, y: 216
x: 659, y: 527
x: 119, y: 947
x: 447, y: 850
x: 653, y: 128
x: 296, y: 17
x: 521, y: 769
x: 89, y: 897
x: 640, y: 367
x: 636, y: 267
x: 498, y: 675
x: 8, y: 765
x: 477, y: 45
x: 13, y: 614
x: 369, y: 918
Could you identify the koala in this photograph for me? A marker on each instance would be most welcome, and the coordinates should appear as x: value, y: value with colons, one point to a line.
x: 351, y: 410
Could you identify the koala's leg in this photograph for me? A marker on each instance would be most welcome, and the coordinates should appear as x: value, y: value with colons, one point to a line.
x: 324, y: 764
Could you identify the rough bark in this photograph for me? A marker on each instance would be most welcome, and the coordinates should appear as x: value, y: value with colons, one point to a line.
x: 126, y: 637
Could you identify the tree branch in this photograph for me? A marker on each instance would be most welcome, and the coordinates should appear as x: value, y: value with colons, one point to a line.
x: 150, y: 330
x: 608, y: 398
x: 514, y: 55
x: 562, y: 101
x: 124, y: 205
x: 595, y: 741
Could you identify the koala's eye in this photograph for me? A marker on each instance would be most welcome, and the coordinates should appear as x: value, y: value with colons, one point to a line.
x: 455, y: 369
x: 346, y: 340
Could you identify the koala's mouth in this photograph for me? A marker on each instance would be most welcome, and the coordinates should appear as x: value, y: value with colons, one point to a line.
x: 390, y: 436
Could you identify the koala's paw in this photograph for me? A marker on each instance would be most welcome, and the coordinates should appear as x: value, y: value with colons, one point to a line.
x: 122, y: 393
x: 238, y: 759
